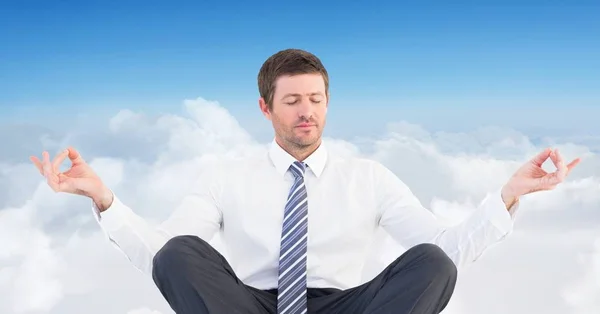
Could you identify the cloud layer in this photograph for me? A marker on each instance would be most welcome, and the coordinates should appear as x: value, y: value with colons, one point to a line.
x: 54, y: 258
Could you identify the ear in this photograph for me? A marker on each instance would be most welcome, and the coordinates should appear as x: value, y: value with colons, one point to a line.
x: 264, y: 108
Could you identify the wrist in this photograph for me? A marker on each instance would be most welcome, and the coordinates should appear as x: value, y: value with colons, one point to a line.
x: 508, y: 197
x: 103, y: 199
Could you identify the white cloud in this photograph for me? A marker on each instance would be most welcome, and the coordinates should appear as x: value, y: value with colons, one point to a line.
x: 55, y: 260
x: 583, y: 294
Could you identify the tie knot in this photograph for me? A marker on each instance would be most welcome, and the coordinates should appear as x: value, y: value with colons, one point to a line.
x: 298, y: 168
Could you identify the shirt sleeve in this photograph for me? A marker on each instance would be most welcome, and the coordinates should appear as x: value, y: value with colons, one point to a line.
x: 198, y: 214
x: 409, y: 223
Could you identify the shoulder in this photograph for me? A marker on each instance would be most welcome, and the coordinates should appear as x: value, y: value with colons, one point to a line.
x: 359, y: 165
x: 224, y: 167
x: 218, y: 173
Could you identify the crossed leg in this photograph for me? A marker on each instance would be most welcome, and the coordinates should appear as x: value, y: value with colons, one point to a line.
x: 420, y: 281
x: 194, y: 278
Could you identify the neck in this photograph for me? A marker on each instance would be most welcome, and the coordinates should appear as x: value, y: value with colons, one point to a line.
x: 299, y: 152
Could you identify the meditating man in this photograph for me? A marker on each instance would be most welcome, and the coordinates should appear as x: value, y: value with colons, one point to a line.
x: 298, y: 221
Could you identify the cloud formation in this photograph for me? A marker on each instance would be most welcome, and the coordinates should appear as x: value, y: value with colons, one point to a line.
x: 54, y: 258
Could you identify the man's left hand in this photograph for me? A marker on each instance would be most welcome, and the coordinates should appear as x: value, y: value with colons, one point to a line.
x: 532, y: 178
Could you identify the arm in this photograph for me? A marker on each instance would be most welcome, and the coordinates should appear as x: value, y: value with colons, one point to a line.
x: 198, y: 214
x: 409, y: 223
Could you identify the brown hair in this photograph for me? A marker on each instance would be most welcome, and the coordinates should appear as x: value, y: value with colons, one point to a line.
x: 287, y: 62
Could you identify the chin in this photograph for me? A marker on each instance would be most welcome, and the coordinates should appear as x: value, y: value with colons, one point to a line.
x: 303, y: 141
x: 308, y: 141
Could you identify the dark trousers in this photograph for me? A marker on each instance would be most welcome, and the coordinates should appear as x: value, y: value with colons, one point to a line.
x: 195, y: 279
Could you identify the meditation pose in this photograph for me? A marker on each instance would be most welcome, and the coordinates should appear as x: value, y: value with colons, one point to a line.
x: 298, y: 221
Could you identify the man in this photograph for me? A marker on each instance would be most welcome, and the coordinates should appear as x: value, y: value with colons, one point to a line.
x: 298, y: 221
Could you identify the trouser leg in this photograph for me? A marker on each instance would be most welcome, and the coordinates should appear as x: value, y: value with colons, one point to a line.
x: 421, y: 281
x: 195, y: 278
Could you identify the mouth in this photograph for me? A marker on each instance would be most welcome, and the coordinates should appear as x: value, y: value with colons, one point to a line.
x: 304, y: 125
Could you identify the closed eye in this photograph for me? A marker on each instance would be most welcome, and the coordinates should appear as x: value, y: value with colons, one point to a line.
x: 296, y: 101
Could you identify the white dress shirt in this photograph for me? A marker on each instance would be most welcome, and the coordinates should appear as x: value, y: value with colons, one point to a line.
x: 348, y: 199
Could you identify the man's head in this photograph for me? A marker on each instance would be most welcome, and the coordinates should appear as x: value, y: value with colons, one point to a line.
x: 294, y: 94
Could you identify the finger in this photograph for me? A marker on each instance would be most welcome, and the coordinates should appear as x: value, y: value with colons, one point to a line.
x: 48, y: 172
x: 554, y: 157
x: 540, y: 158
x: 74, y: 156
x: 560, y: 161
x: 46, y: 164
x: 572, y: 164
x: 37, y: 163
x: 59, y: 159
x: 561, y: 170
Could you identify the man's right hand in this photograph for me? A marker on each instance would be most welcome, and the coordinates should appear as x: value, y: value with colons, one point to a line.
x: 80, y: 179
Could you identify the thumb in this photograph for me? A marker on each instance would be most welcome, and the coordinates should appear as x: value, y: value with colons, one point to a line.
x: 74, y: 156
x: 540, y: 158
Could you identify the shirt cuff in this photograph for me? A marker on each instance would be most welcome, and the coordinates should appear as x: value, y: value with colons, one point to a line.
x: 114, y: 217
x: 500, y: 217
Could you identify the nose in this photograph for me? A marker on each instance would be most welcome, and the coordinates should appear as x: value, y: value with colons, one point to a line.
x: 305, y: 109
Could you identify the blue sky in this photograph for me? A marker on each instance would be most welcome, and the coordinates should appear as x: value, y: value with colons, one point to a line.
x: 522, y: 70
x: 515, y: 63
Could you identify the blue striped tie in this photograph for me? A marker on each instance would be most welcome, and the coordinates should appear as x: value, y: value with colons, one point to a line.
x: 291, y: 298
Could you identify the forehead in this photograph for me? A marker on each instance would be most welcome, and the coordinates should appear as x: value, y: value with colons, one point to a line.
x: 300, y: 84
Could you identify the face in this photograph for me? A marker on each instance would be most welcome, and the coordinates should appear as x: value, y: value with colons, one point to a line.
x: 298, y: 111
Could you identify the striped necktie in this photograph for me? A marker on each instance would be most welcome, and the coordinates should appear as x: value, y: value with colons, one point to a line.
x: 291, y: 298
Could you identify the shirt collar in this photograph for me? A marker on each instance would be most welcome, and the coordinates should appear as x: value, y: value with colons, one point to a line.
x: 282, y: 159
